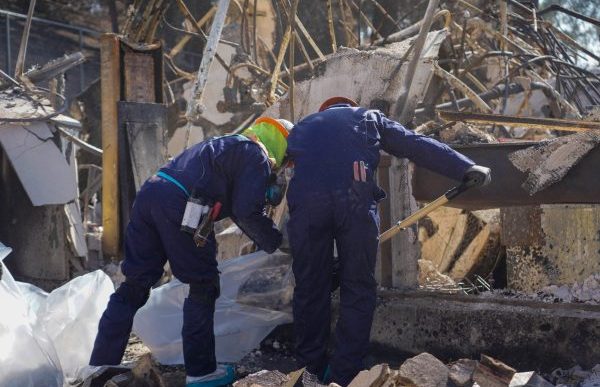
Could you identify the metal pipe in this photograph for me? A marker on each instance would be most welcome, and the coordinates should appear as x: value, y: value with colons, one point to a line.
x: 559, y: 8
x: 8, y: 41
x: 528, y: 122
x: 82, y: 144
x: 24, y: 40
x: 50, y: 22
x: 254, y: 39
x: 331, y: 29
x: 413, y: 29
x: 466, y: 90
x: 494, y: 93
x: 403, y: 108
x: 292, y: 37
x: 81, y: 71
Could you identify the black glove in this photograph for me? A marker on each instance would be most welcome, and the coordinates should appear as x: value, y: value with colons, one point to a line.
x: 477, y: 176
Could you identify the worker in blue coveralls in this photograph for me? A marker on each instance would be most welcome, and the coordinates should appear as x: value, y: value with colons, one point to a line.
x: 332, y: 197
x: 233, y: 170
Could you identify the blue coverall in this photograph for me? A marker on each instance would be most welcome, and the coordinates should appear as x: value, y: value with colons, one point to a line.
x: 230, y: 169
x: 327, y: 205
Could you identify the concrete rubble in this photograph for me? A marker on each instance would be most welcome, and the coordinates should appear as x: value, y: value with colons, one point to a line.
x: 425, y: 370
x: 587, y: 292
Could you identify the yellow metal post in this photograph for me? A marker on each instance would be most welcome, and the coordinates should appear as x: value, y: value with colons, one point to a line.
x: 111, y: 92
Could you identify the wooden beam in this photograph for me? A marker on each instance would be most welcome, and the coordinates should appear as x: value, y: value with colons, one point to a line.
x: 527, y: 122
x: 110, y: 82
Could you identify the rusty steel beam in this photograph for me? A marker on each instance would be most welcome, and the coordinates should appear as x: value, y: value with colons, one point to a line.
x: 55, y: 67
x: 460, y: 85
x: 528, y: 122
x: 580, y: 185
x: 110, y: 82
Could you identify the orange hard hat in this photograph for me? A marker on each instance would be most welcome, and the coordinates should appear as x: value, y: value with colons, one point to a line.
x: 281, y: 127
x: 336, y: 100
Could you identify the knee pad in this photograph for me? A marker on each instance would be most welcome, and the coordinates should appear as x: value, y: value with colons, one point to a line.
x: 206, y: 291
x: 133, y: 294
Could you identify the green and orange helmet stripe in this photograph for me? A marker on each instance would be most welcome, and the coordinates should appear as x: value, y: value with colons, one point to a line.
x: 272, y: 134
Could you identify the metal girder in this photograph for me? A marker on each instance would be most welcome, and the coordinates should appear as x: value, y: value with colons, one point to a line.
x: 110, y: 75
x: 529, y: 122
x: 580, y: 185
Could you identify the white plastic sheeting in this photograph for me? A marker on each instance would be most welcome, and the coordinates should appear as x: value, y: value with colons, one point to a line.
x: 70, y: 317
x: 27, y: 356
x: 46, y: 338
x: 238, y: 328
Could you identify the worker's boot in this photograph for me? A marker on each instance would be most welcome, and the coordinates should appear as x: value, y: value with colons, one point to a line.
x: 223, y: 375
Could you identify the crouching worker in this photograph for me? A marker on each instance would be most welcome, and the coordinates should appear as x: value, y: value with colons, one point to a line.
x: 332, y: 198
x: 222, y: 177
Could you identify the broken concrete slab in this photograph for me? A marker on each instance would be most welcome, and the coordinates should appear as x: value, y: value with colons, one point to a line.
x: 499, y: 368
x: 263, y: 378
x: 461, y: 372
x: 102, y: 375
x: 425, y: 370
x: 375, y: 377
x: 490, y: 372
x: 456, y: 326
x: 373, y: 73
x: 483, y: 376
x: 529, y: 379
x: 146, y: 373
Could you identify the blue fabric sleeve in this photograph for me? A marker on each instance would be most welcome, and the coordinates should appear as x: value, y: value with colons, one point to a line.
x: 422, y: 150
x: 249, y: 177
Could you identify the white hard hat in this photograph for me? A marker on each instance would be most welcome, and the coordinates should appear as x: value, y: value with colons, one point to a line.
x: 286, y: 124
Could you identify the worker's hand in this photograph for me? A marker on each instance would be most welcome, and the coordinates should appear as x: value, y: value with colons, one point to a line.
x: 478, y: 176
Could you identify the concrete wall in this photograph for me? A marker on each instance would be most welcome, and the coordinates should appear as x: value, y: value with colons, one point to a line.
x: 550, y: 244
x: 37, y: 235
x: 528, y: 335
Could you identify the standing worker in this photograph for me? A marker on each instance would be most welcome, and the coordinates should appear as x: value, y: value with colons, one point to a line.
x: 223, y: 177
x: 332, y: 197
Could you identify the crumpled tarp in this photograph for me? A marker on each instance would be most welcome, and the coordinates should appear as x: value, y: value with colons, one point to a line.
x: 239, y: 328
x: 47, y: 338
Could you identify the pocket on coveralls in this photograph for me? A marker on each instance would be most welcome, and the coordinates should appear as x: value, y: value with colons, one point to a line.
x: 362, y: 195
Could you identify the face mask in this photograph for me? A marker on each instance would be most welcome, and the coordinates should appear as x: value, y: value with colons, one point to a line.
x: 276, y: 189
